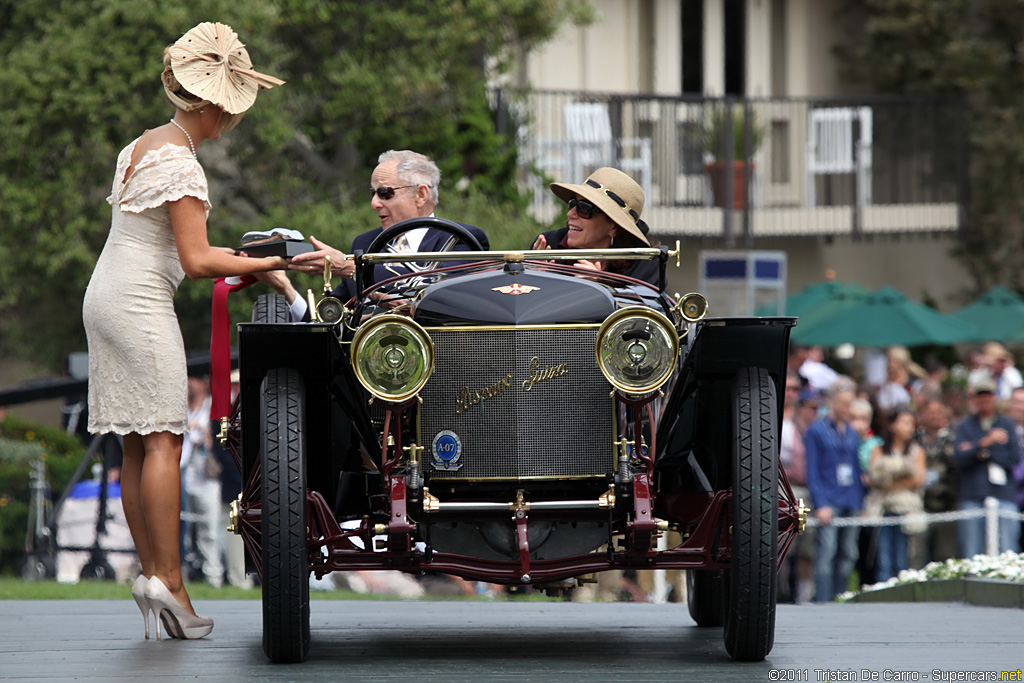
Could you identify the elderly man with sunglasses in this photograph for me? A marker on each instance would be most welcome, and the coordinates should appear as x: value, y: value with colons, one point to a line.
x: 403, y: 185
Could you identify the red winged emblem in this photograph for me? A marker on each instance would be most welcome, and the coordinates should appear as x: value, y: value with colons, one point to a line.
x: 515, y: 289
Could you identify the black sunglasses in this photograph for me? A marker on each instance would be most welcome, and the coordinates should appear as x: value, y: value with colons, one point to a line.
x: 387, y: 192
x: 584, y: 209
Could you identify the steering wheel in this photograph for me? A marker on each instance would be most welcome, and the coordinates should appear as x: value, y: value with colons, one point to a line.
x: 450, y: 227
x: 384, y: 238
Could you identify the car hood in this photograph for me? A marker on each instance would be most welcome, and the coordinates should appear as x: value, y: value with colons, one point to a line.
x: 514, y: 297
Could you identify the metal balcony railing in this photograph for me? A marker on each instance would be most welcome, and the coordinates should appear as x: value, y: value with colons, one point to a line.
x: 734, y: 169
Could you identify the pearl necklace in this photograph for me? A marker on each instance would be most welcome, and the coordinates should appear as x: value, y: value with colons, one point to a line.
x: 190, y: 145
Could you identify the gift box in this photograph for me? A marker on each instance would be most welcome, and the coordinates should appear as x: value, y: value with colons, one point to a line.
x: 285, y: 248
x: 275, y: 242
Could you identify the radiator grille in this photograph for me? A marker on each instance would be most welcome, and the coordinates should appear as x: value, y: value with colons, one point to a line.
x: 561, y: 427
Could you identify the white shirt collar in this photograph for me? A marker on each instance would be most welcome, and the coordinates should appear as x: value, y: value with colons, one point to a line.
x: 416, y: 235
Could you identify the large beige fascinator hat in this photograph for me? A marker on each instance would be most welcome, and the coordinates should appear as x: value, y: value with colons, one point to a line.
x: 620, y: 198
x: 211, y: 63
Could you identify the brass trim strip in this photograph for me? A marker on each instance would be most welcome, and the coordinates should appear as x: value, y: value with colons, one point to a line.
x: 567, y: 504
x: 601, y: 503
x: 530, y: 255
x: 442, y: 506
x: 546, y: 477
x: 493, y: 328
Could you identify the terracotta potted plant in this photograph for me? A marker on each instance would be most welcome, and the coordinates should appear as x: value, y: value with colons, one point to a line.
x: 717, y: 150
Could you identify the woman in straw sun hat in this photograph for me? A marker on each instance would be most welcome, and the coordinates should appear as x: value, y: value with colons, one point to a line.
x: 137, y: 372
x: 604, y: 212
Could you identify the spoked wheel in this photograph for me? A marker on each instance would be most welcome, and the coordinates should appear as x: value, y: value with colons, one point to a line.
x: 750, y: 618
x: 706, y: 595
x: 284, y: 550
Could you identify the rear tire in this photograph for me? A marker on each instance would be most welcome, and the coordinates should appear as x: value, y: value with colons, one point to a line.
x: 271, y: 308
x: 284, y: 546
x: 750, y: 620
x: 706, y: 595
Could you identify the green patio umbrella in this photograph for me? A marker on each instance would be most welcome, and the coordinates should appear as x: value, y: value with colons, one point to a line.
x: 998, y: 314
x: 812, y: 296
x: 840, y: 300
x: 887, y: 318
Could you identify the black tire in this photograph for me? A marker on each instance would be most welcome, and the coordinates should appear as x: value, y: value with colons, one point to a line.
x: 750, y: 619
x: 271, y: 308
x: 707, y: 592
x: 284, y: 550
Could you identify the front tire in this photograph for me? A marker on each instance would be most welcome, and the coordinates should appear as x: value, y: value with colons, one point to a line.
x: 271, y: 308
x: 284, y: 547
x: 750, y: 621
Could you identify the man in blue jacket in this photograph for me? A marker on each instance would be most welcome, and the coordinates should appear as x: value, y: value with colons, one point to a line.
x: 834, y: 479
x: 987, y: 450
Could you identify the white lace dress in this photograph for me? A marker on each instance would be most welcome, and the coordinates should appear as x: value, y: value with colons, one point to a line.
x: 137, y: 374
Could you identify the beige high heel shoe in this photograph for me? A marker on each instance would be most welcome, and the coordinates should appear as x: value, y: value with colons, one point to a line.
x: 139, y: 595
x: 179, y: 622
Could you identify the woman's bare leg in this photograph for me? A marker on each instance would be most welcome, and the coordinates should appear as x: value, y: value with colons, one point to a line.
x: 161, y: 506
x: 131, y: 500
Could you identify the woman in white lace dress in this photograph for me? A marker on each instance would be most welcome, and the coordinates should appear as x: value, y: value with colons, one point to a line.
x: 137, y: 371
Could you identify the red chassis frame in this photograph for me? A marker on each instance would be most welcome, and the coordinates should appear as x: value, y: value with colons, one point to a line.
x: 706, y: 543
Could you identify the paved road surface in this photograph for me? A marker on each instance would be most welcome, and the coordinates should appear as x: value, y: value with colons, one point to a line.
x: 482, y: 642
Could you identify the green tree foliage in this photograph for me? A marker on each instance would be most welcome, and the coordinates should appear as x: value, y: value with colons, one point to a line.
x: 80, y: 78
x: 974, y: 48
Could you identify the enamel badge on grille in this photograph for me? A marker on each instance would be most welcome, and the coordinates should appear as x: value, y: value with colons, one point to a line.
x: 446, y: 450
x: 515, y: 289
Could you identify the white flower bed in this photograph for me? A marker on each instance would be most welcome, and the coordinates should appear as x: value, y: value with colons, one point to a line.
x: 1006, y: 567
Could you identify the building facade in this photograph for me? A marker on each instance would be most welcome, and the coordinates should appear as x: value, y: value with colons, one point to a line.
x: 734, y: 117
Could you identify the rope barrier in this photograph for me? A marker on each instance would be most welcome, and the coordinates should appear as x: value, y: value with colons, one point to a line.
x: 926, y: 517
x: 919, y: 521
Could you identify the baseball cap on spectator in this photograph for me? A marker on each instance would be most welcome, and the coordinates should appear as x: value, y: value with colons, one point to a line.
x: 983, y: 386
x: 809, y: 397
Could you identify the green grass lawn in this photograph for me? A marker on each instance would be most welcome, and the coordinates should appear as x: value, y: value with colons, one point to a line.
x: 13, y: 588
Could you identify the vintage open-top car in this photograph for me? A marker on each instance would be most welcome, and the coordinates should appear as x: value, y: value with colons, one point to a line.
x: 499, y: 417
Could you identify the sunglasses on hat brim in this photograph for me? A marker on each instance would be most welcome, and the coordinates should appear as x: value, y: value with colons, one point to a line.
x: 621, y: 202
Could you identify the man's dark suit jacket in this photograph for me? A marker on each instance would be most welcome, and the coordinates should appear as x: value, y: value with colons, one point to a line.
x: 432, y: 241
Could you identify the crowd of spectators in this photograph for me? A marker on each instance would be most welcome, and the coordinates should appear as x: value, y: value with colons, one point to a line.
x: 872, y: 459
x: 210, y: 480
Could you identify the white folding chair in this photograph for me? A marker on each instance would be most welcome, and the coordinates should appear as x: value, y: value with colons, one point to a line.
x: 590, y: 144
x: 831, y: 148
